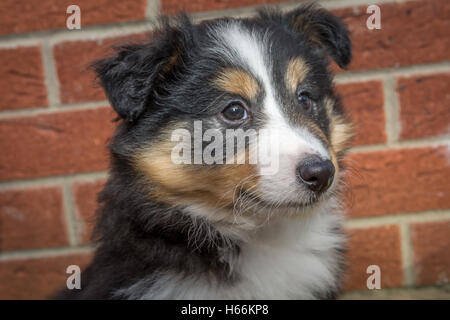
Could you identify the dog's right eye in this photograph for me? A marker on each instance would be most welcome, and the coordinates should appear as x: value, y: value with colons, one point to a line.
x: 235, y: 112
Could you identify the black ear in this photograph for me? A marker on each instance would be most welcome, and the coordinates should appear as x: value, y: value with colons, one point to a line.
x: 132, y: 75
x: 323, y: 29
x: 125, y: 80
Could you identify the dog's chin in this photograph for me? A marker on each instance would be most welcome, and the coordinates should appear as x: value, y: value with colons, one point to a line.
x: 292, y: 204
x: 305, y: 202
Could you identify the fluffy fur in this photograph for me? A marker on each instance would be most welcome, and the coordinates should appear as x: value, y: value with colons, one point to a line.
x: 168, y: 231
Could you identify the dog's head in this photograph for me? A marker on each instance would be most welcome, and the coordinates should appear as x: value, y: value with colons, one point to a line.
x: 183, y: 96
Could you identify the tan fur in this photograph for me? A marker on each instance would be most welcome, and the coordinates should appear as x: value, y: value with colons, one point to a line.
x: 180, y: 184
x: 341, y: 131
x: 295, y: 73
x: 238, y: 82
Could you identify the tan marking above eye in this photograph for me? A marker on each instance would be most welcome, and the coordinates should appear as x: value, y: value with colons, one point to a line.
x: 295, y: 73
x: 238, y: 82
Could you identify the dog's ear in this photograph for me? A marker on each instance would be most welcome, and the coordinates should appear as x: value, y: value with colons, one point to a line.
x: 132, y: 75
x: 322, y: 29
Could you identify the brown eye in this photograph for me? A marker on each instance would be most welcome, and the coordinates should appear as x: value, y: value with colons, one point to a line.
x: 304, y: 97
x: 235, y: 111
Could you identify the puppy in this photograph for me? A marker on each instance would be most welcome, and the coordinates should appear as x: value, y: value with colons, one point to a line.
x: 174, y: 224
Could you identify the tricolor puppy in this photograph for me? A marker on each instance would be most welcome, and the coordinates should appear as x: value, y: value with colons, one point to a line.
x: 172, y: 229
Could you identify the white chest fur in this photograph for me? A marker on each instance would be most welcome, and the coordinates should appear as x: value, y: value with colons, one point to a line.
x: 291, y: 259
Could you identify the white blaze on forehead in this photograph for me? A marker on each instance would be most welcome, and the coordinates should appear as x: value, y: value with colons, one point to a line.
x: 253, y: 51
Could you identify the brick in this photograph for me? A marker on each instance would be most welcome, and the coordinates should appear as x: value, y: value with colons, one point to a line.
x: 364, y: 102
x: 374, y: 246
x: 398, y: 180
x: 413, y: 32
x: 17, y: 17
x: 32, y: 218
x: 55, y: 143
x: 73, y: 59
x: 86, y: 204
x: 431, y: 243
x: 191, y: 6
x: 22, y: 83
x: 424, y: 106
x: 37, y: 278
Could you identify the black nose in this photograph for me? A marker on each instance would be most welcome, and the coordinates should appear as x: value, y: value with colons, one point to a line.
x: 316, y: 173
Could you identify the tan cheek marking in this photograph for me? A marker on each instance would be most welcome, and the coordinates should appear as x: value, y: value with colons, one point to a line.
x: 295, y: 73
x: 341, y: 131
x: 329, y: 107
x: 341, y: 134
x: 187, y: 184
x: 238, y: 82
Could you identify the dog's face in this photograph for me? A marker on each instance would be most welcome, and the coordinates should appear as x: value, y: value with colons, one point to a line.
x: 266, y: 79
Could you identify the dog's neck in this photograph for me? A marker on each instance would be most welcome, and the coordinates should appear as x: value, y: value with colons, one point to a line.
x: 291, y: 253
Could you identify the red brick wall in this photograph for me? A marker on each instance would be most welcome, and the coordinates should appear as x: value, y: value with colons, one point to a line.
x: 54, y: 123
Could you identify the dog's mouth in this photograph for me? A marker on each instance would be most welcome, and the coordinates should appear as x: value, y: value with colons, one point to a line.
x: 311, y: 201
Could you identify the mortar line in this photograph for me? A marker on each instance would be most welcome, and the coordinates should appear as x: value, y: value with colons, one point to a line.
x: 404, y: 71
x: 331, y: 4
x: 391, y: 110
x: 376, y: 293
x: 58, y: 107
x: 69, y: 212
x: 50, y: 74
x: 396, y: 218
x: 87, y: 33
x: 45, y: 252
x: 152, y: 9
x: 54, y: 180
x: 443, y: 140
x: 407, y: 255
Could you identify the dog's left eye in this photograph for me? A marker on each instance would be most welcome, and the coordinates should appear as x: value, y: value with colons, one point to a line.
x: 235, y: 111
x: 304, y: 97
